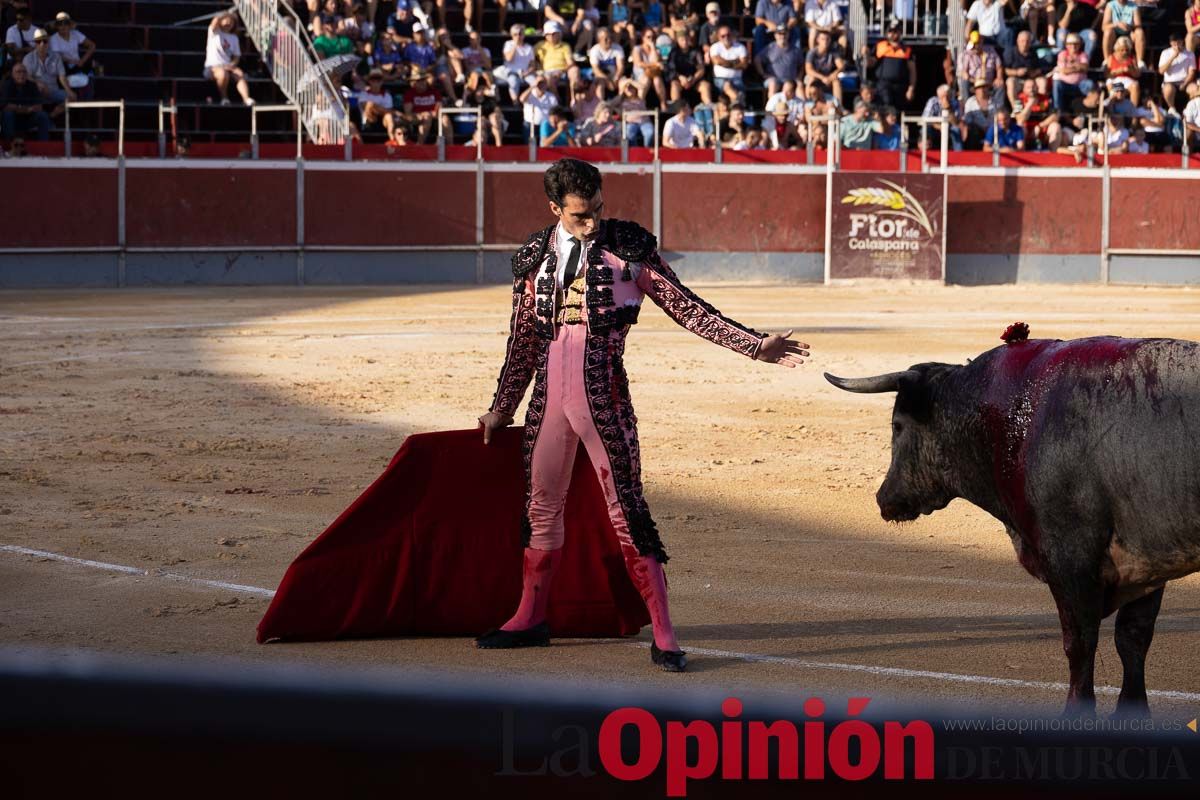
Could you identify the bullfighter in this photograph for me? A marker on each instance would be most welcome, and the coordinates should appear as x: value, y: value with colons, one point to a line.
x: 578, y: 286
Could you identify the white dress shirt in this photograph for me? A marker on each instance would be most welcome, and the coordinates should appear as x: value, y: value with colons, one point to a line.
x: 565, y: 246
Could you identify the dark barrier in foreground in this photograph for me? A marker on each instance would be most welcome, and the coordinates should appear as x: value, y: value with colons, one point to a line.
x: 98, y: 727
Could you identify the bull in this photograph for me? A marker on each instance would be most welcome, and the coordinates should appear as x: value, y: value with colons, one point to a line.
x: 1088, y: 451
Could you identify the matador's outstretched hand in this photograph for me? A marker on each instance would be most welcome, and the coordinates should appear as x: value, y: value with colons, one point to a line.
x: 493, y: 421
x: 779, y: 349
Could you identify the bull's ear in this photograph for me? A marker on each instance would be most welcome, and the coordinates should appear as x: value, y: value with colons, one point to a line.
x: 916, y: 393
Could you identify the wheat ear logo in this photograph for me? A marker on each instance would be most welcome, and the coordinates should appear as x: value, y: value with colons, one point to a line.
x: 896, y: 201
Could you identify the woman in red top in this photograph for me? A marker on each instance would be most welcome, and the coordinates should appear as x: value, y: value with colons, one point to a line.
x: 1121, y: 66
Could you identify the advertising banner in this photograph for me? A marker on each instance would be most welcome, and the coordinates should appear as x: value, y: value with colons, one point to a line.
x: 889, y: 225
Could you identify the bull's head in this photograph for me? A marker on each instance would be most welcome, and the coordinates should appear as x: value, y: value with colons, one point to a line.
x: 918, y: 479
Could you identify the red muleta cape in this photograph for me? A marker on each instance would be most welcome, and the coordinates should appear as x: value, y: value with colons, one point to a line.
x: 433, y: 547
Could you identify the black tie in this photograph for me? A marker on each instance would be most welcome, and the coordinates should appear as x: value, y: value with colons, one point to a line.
x: 572, y: 263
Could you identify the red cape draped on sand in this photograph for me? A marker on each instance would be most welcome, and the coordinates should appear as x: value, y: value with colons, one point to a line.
x: 433, y: 547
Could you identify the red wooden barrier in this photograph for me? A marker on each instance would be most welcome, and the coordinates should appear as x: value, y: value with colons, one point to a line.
x: 172, y: 207
x: 778, y: 212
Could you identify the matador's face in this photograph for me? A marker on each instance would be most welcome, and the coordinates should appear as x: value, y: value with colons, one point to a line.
x: 579, y: 217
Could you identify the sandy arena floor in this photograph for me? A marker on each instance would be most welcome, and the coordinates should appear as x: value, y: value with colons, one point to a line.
x: 213, y: 433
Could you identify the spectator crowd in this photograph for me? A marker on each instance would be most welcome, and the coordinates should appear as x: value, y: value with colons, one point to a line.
x: 1050, y: 75
x: 41, y: 67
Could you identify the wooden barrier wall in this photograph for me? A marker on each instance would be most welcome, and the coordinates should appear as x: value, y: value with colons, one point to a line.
x: 1023, y: 213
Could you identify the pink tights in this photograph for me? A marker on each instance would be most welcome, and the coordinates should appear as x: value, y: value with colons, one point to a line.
x: 568, y: 421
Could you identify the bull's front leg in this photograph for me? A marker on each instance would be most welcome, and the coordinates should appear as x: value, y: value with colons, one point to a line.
x: 1134, y: 630
x: 1080, y: 602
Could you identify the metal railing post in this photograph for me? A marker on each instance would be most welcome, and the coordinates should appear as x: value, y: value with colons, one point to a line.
x: 625, y: 117
x: 995, y: 140
x: 475, y: 111
x: 945, y: 140
x: 903, y: 146
x: 718, y: 154
x: 163, y: 110
x: 441, y: 135
x: 117, y: 104
x: 255, y: 110
x: 656, y: 134
x: 924, y: 145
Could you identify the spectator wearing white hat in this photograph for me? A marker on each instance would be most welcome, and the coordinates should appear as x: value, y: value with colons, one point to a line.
x: 221, y: 59
x: 554, y: 57
x: 74, y: 49
x: 519, y: 65
x: 47, y: 71
x: 707, y: 36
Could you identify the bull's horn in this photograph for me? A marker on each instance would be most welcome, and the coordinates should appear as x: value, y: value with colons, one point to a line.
x: 889, y: 382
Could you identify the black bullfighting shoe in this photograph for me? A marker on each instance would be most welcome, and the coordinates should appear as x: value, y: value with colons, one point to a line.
x: 670, y: 660
x: 537, y: 636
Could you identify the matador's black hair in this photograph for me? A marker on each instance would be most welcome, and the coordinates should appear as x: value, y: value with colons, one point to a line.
x: 571, y: 176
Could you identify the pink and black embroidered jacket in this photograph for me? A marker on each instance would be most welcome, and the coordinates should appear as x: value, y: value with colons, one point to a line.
x: 623, y: 267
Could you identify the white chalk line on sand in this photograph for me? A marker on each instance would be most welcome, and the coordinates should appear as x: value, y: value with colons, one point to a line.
x: 759, y: 658
x: 86, y: 562
x: 121, y: 353
x: 901, y: 672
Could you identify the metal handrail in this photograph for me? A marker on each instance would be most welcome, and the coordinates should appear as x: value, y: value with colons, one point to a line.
x: 625, y: 117
x: 833, y: 140
x: 943, y: 122
x: 442, y: 113
x: 163, y: 110
x: 119, y: 104
x: 294, y: 66
x: 924, y: 24
x: 255, y: 110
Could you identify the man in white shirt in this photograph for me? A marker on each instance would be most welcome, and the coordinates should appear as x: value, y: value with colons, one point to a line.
x: 1178, y: 68
x: 537, y: 102
x: 824, y: 15
x: 518, y: 64
x: 785, y: 98
x: 1191, y: 117
x: 729, y: 59
x: 18, y: 40
x: 221, y: 58
x: 988, y: 17
x: 681, y: 130
x: 46, y: 69
x: 607, y: 59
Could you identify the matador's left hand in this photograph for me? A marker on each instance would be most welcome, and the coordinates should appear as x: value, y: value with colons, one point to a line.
x: 777, y: 348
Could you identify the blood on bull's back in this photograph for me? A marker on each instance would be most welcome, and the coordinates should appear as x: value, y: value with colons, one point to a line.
x: 1102, y: 434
